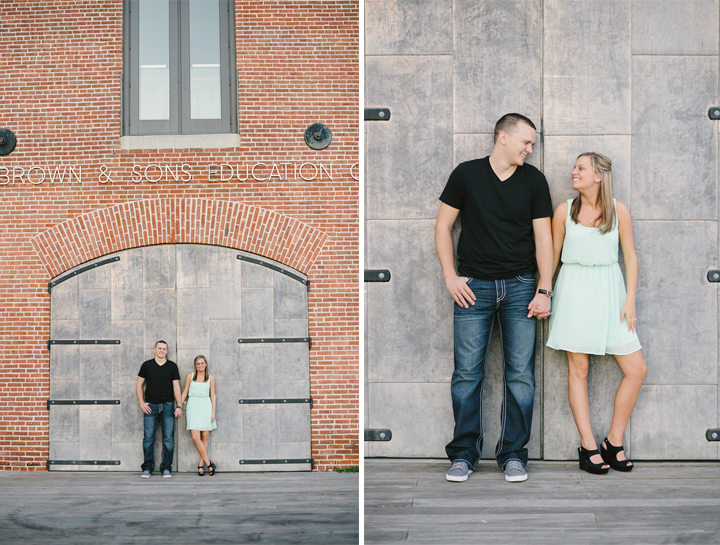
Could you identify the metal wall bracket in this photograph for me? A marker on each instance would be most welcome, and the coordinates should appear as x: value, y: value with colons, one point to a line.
x: 82, y: 402
x: 713, y: 276
x: 377, y: 114
x: 310, y: 461
x: 712, y: 435
x: 81, y: 270
x: 275, y: 268
x: 277, y: 340
x: 271, y: 401
x: 714, y: 113
x: 81, y: 463
x: 378, y: 435
x: 78, y: 342
x: 372, y: 275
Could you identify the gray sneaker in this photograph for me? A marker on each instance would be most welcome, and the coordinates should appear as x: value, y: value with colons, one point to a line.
x: 459, y: 471
x: 167, y: 474
x: 146, y: 474
x: 515, y: 472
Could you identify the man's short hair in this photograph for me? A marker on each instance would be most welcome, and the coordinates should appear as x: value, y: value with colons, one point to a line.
x: 508, y: 121
x: 163, y: 342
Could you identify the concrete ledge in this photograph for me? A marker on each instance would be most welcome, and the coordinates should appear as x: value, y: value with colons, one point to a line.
x: 180, y: 141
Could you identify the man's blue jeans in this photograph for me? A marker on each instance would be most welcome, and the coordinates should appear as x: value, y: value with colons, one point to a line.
x: 166, y: 413
x: 507, y: 300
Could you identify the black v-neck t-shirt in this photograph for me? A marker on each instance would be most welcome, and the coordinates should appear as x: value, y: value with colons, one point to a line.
x: 496, y: 240
x: 159, y: 380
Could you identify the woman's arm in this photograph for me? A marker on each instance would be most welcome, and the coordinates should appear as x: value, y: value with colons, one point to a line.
x: 631, y: 264
x: 186, y: 389
x: 212, y: 397
x: 558, y: 233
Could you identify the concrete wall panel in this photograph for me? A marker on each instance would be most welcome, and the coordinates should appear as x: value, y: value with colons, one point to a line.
x: 674, y: 147
x: 689, y: 27
x: 418, y: 347
x: 587, y: 67
x: 408, y: 27
x: 676, y: 305
x: 497, y: 62
x: 412, y: 152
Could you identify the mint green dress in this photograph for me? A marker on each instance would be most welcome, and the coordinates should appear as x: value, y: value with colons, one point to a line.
x: 199, y: 407
x: 589, y: 295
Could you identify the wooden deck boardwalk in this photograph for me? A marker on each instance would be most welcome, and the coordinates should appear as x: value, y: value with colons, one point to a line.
x: 657, y: 503
x: 121, y: 508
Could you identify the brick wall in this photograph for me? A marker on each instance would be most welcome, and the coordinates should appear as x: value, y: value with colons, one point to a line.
x: 61, y: 74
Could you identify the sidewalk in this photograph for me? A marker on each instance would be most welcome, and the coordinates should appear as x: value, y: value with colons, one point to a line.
x: 656, y: 503
x: 121, y: 508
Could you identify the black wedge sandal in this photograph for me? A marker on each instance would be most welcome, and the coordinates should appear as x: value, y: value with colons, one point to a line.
x: 211, y: 468
x: 584, y: 456
x: 609, y: 454
x: 201, y: 470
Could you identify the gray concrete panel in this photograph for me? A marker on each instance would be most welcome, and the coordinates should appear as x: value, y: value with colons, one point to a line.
x: 64, y: 450
x: 402, y: 27
x: 498, y: 62
x: 561, y: 152
x: 160, y: 314
x: 226, y: 456
x: 291, y: 389
x: 160, y: 264
x: 65, y: 301
x: 258, y: 372
x: 258, y: 432
x: 418, y: 344
x: 128, y: 355
x: 95, y: 433
x: 64, y: 423
x: 193, y: 266
x: 225, y: 349
x: 127, y: 293
x: 673, y: 139
x: 229, y: 412
x: 677, y: 320
x: 291, y: 328
x: 95, y: 314
x: 65, y: 389
x: 289, y: 298
x: 587, y: 71
x: 689, y: 27
x: 669, y: 422
x: 294, y: 450
x: 225, y: 284
x: 561, y: 438
x: 412, y: 152
x: 64, y: 329
x: 64, y: 363
x: 185, y: 362
x: 292, y: 422
x: 419, y: 416
x: 96, y: 373
x: 257, y: 313
x: 292, y: 361
x: 130, y: 456
x: 99, y: 278
x: 255, y: 276
x: 127, y: 418
x: 192, y: 319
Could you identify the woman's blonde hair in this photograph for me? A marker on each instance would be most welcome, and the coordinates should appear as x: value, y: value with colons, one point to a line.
x: 602, y: 166
x: 195, y: 369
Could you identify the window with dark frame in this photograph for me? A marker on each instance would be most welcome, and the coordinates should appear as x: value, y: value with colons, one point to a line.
x: 179, y: 67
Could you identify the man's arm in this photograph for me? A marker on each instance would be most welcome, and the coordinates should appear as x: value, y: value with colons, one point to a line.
x: 141, y: 398
x: 456, y: 285
x: 178, y: 397
x: 540, y: 305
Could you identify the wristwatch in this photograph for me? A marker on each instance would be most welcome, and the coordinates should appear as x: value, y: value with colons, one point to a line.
x: 549, y: 293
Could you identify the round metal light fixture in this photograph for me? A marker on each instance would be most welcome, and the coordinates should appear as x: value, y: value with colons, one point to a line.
x: 7, y: 141
x: 318, y: 136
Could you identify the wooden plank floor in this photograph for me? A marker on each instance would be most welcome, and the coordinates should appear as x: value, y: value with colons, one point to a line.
x: 410, y: 501
x: 121, y: 508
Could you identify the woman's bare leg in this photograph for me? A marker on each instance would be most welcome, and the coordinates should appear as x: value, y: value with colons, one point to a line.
x: 634, y: 371
x: 205, y: 436
x: 200, y: 446
x: 579, y: 402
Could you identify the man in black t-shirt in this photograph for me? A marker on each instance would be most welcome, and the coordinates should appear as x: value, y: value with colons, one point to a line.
x: 162, y: 382
x: 506, y: 209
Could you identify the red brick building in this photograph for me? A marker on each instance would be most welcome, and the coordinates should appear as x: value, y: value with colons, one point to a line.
x: 134, y: 135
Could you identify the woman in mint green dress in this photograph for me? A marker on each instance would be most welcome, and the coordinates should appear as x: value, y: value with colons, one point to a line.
x: 591, y: 311
x: 200, y: 413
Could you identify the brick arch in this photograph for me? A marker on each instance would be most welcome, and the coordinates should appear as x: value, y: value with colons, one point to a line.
x: 179, y: 221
